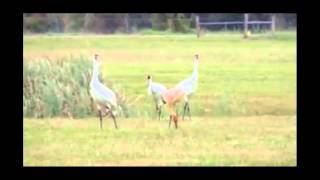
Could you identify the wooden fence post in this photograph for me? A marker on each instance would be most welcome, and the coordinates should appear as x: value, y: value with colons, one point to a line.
x: 246, y: 18
x: 126, y: 22
x: 198, y: 26
x: 273, y: 25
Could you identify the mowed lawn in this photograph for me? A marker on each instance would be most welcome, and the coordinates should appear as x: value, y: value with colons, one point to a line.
x: 244, y: 109
x: 236, y: 141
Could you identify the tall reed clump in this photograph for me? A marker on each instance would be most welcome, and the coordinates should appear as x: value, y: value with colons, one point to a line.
x: 57, y: 88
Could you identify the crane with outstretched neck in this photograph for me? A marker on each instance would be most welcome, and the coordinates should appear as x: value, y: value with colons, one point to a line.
x: 104, y: 98
x: 189, y: 86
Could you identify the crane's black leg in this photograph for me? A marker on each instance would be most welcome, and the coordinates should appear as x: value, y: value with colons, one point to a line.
x: 189, y: 111
x: 100, y: 115
x: 159, y: 113
x: 170, y: 121
x: 184, y: 110
x: 157, y: 109
x: 114, y: 120
x: 175, y: 120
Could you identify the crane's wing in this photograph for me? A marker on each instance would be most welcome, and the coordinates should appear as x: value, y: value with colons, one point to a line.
x: 103, y: 94
x: 184, y: 85
x: 157, y: 88
x: 188, y: 85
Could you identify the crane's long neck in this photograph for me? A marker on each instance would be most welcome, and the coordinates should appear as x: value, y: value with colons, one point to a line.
x: 195, y: 71
x: 149, y: 86
x: 149, y: 82
x: 95, y: 73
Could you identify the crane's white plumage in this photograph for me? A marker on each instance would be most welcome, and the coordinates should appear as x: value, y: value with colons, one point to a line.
x: 102, y: 95
x: 189, y: 85
x: 156, y: 89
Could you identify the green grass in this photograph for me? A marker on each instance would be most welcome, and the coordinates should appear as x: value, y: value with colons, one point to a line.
x: 237, y: 77
x: 238, y: 141
x: 244, y: 111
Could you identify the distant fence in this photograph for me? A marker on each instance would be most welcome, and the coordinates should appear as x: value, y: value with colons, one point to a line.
x: 244, y: 24
x: 134, y: 23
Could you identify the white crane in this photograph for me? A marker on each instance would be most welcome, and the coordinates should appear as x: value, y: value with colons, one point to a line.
x: 189, y: 85
x: 156, y: 89
x: 104, y: 97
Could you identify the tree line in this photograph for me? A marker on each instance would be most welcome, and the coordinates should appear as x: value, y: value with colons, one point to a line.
x: 108, y: 23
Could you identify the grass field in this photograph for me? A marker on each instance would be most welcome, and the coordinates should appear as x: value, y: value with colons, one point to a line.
x: 244, y: 108
x: 237, y: 141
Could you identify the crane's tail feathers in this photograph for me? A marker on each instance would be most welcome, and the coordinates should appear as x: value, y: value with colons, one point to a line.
x: 119, y: 109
